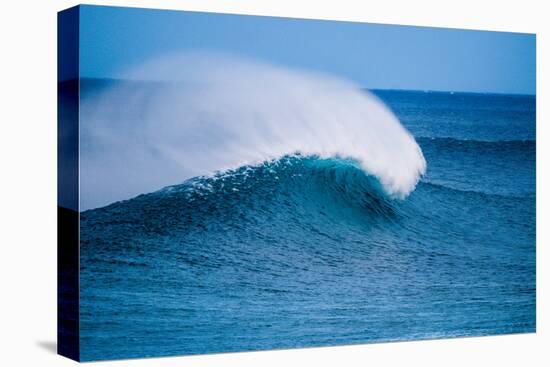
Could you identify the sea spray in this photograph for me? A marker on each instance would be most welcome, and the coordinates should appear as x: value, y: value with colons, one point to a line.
x: 194, y: 114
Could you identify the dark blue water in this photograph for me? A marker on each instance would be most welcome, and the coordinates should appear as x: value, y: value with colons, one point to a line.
x: 309, y: 252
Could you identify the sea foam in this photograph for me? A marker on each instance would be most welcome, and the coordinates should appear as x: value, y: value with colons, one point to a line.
x: 198, y: 113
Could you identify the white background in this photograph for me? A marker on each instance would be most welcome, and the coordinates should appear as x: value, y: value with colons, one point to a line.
x: 28, y: 183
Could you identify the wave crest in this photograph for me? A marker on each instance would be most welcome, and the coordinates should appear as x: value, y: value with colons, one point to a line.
x: 292, y: 186
x: 205, y: 113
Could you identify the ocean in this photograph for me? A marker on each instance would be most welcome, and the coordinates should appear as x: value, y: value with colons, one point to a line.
x: 307, y: 250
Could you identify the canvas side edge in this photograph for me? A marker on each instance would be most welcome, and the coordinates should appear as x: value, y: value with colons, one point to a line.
x: 68, y: 333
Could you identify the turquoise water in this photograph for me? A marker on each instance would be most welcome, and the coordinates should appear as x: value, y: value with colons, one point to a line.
x: 308, y: 251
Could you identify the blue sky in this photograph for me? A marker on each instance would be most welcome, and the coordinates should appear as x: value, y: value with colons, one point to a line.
x: 375, y: 56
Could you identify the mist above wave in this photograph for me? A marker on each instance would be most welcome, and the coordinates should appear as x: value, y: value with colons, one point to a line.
x: 198, y: 113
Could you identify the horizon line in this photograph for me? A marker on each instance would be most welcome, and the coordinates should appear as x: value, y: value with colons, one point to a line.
x: 114, y: 79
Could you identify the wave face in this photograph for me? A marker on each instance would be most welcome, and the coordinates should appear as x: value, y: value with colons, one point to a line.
x: 200, y: 116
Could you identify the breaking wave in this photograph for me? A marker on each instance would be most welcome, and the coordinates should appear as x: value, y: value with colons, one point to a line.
x: 191, y: 115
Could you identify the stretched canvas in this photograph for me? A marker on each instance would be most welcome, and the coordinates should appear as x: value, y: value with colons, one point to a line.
x: 235, y: 183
